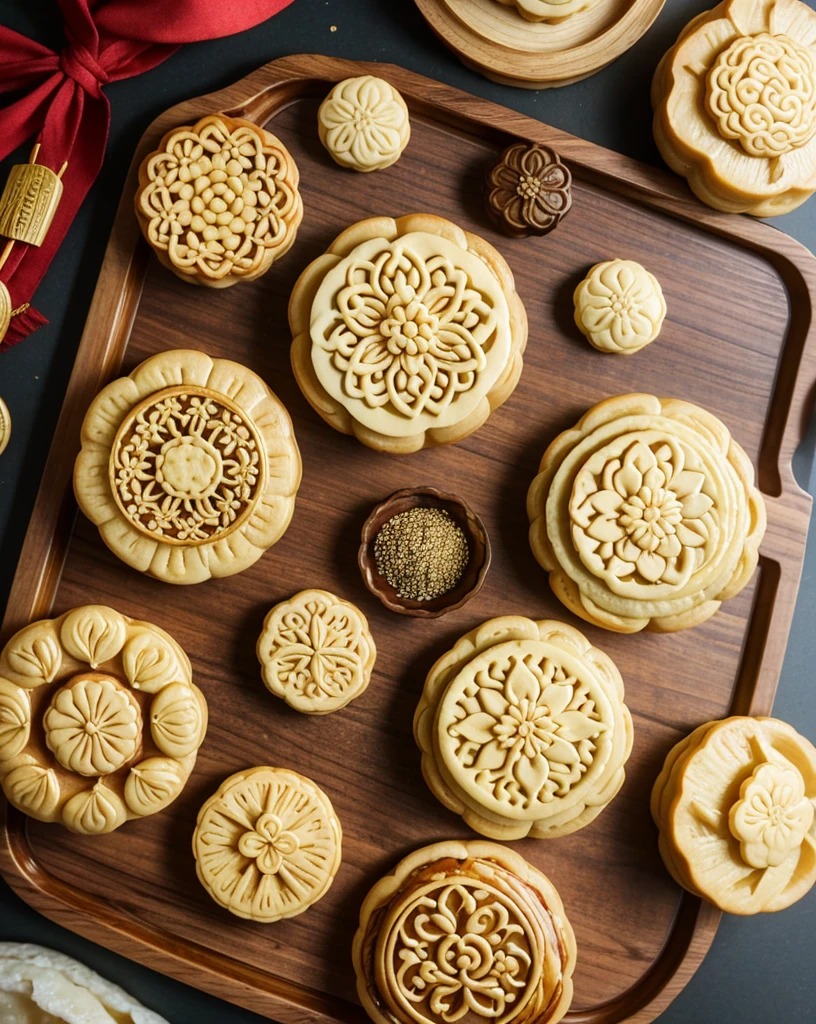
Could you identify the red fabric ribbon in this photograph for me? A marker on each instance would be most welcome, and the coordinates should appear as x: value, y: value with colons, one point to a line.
x: 65, y: 107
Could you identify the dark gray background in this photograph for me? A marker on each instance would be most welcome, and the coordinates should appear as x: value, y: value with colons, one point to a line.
x: 759, y: 969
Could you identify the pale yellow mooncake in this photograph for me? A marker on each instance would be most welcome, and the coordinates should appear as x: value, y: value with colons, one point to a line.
x: 735, y: 106
x: 407, y: 333
x: 218, y: 201
x: 523, y: 729
x: 619, y: 307
x: 364, y: 124
x: 267, y: 844
x: 100, y: 721
x: 188, y: 467
x: 316, y: 652
x: 645, y: 515
x: 734, y: 805
x: 464, y: 931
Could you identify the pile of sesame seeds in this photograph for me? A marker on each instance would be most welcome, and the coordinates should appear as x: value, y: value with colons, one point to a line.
x: 422, y: 553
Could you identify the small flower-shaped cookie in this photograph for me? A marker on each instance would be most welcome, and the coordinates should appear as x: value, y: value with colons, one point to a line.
x: 619, y: 307
x: 530, y: 190
x: 772, y: 816
x: 364, y: 124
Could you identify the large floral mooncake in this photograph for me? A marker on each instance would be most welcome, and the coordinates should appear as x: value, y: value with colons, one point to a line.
x: 464, y: 931
x: 645, y: 515
x: 189, y: 467
x: 735, y: 106
x: 218, y: 201
x: 407, y: 333
x: 523, y: 729
x: 267, y: 844
x: 99, y: 719
x: 734, y: 804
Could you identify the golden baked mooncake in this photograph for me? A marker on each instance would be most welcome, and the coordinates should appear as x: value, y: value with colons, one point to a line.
x: 267, y: 844
x: 100, y: 721
x: 734, y: 804
x: 645, y: 515
x: 364, y: 124
x: 189, y: 467
x: 735, y: 106
x: 316, y: 652
x: 523, y: 729
x: 464, y: 931
x: 407, y: 333
x: 218, y: 201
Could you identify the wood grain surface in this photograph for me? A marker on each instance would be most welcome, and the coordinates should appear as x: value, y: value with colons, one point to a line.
x: 738, y: 340
x: 495, y: 40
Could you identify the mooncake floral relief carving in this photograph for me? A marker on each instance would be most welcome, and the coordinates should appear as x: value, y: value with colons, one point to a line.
x: 462, y: 931
x: 619, y: 307
x: 186, y: 466
x: 530, y: 190
x: 646, y: 515
x: 219, y: 201
x: 189, y: 468
x: 735, y: 106
x: 364, y: 123
x: 734, y: 805
x: 462, y: 948
x: 93, y: 725
x: 407, y: 333
x: 523, y: 729
x: 267, y: 844
x: 316, y: 652
x: 81, y: 748
x: 772, y: 816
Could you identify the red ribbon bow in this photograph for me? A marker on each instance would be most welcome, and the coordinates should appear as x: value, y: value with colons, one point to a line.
x: 64, y: 104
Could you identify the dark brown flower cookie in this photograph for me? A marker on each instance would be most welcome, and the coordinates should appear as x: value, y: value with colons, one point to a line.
x: 529, y: 190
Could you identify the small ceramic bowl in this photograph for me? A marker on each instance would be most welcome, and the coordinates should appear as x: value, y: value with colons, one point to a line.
x: 467, y: 521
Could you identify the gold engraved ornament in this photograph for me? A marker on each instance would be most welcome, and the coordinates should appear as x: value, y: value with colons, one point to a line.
x: 646, y: 515
x: 99, y: 719
x: 29, y: 202
x: 267, y: 844
x: 407, y: 333
x: 619, y: 307
x: 734, y: 805
x: 189, y: 467
x: 523, y: 729
x: 464, y: 931
x: 364, y: 124
x: 5, y: 416
x: 735, y: 106
x: 316, y: 652
x: 218, y: 201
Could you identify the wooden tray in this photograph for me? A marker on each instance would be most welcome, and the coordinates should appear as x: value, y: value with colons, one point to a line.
x: 738, y: 340
x: 495, y: 40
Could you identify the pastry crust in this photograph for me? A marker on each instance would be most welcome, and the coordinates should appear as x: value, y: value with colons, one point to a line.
x: 218, y: 201
x: 502, y: 916
x: 267, y: 844
x: 551, y: 11
x: 645, y: 515
x: 523, y: 729
x: 104, y: 756
x: 364, y: 124
x: 407, y: 333
x: 734, y: 806
x: 735, y: 106
x: 188, y: 466
x: 316, y: 652
x: 619, y: 307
